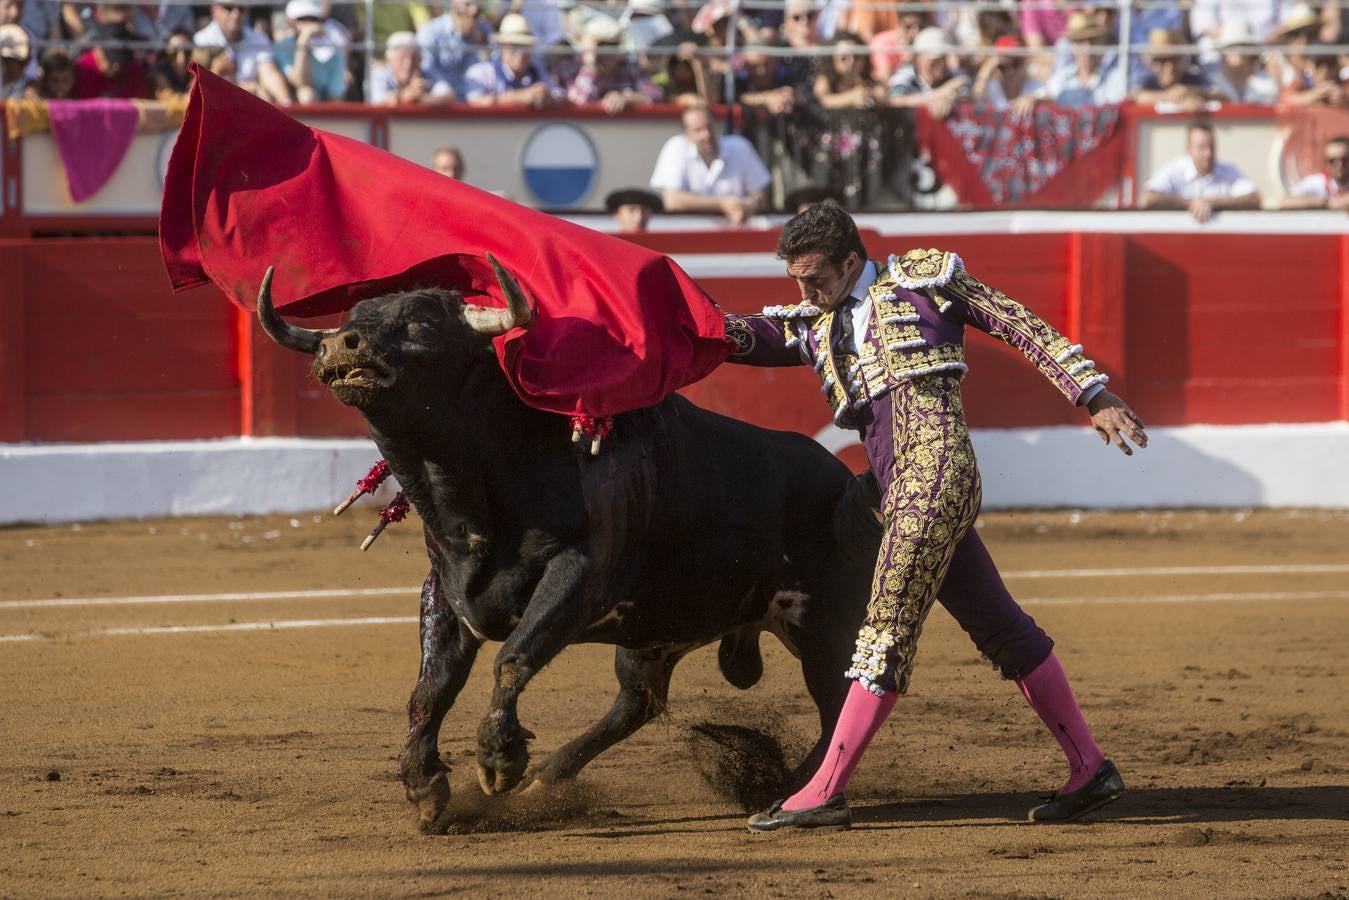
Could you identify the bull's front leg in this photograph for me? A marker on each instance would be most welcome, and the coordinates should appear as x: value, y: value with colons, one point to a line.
x: 552, y: 620
x: 448, y: 651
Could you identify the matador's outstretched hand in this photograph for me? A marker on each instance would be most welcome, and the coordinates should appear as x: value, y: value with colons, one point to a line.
x: 1114, y: 421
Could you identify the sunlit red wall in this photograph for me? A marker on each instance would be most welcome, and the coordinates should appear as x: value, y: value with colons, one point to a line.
x: 1220, y: 329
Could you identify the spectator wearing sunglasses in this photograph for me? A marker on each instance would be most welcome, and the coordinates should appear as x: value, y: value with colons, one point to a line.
x: 255, y: 67
x: 1004, y: 80
x: 800, y: 31
x: 1328, y: 189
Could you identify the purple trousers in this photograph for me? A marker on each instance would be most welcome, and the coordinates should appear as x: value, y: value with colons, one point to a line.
x: 919, y: 449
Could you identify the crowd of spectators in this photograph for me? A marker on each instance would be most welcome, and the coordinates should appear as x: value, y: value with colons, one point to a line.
x: 778, y: 54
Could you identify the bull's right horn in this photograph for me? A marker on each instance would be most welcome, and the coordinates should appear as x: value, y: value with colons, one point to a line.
x: 292, y: 337
x: 492, y: 322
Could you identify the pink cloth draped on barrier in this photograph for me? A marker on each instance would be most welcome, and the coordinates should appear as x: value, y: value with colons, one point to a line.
x: 92, y: 137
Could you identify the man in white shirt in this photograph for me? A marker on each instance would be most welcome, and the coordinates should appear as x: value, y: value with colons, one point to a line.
x: 1328, y: 189
x: 255, y: 67
x: 699, y: 172
x: 1198, y: 182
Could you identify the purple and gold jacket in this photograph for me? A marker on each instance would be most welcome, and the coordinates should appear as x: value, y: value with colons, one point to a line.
x: 920, y: 305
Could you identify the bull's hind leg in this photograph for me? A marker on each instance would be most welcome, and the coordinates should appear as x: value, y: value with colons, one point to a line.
x: 448, y: 651
x: 643, y: 686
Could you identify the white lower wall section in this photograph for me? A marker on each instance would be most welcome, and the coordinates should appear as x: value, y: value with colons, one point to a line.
x: 1197, y: 465
x: 82, y: 482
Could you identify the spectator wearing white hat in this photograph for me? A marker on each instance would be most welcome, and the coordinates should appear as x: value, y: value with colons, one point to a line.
x: 402, y: 81
x: 512, y: 77
x: 454, y: 41
x: 1198, y: 182
x: 605, y: 74
x: 1237, y: 76
x: 255, y: 67
x: 313, y: 62
x: 15, y: 52
x: 1328, y: 189
x: 929, y: 79
x: 698, y: 171
x: 1091, y: 79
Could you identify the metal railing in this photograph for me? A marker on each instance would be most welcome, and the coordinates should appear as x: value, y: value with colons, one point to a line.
x: 368, y: 47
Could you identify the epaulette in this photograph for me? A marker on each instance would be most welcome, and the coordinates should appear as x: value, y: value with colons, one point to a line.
x: 801, y: 310
x: 920, y: 269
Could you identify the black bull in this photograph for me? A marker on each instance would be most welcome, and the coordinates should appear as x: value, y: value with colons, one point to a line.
x: 689, y: 527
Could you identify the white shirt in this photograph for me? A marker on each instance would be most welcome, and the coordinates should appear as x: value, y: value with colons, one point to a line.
x: 861, y: 311
x: 736, y: 172
x: 249, y: 52
x: 1180, y: 178
x: 1319, y: 185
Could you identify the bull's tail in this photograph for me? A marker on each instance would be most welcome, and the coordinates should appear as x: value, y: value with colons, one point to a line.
x: 739, y: 657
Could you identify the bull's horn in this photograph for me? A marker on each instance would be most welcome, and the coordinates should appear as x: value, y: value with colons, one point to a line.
x: 493, y: 322
x: 278, y: 329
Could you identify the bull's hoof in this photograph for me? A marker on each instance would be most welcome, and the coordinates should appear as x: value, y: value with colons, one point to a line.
x: 432, y: 802
x: 500, y: 770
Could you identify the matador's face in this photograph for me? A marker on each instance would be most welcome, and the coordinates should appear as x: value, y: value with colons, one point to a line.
x: 824, y: 283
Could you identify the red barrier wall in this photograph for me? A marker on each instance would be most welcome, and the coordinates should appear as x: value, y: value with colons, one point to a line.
x: 1224, y: 328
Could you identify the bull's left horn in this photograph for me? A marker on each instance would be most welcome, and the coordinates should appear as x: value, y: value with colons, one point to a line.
x: 292, y: 337
x: 493, y: 322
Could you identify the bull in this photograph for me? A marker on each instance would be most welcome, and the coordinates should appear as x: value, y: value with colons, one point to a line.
x: 690, y: 527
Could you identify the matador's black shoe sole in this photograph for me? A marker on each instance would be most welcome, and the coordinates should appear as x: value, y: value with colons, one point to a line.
x: 833, y: 813
x: 1106, y: 786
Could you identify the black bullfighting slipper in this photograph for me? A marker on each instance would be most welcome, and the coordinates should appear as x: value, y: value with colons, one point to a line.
x: 833, y: 813
x: 1105, y: 787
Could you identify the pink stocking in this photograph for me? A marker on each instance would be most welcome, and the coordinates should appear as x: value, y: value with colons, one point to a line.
x: 1051, y: 697
x: 861, y: 717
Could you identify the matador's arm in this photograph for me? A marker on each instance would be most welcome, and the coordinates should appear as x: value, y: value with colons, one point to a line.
x: 943, y: 277
x: 771, y: 339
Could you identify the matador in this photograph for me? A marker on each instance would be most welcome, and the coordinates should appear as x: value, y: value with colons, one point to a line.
x: 887, y: 341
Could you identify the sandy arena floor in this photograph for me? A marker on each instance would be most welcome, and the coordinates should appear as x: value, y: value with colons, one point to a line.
x: 167, y: 748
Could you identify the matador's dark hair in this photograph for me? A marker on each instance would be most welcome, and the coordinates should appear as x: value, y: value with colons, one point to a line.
x: 822, y: 227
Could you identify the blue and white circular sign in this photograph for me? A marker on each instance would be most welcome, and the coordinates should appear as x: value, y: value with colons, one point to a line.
x: 559, y: 164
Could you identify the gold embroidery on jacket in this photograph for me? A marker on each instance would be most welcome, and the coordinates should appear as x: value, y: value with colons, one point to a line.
x: 1053, y: 354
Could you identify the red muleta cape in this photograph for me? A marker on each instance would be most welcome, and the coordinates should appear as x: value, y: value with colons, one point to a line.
x: 616, y: 326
